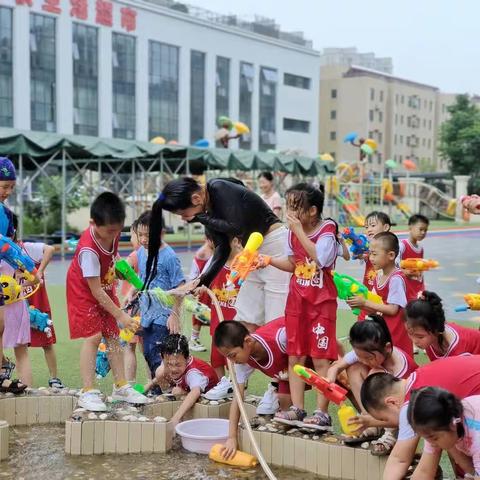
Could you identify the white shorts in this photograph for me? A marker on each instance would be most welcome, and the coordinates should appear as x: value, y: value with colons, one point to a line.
x: 263, y: 295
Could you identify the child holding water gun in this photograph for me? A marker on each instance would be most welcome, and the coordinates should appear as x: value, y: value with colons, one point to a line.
x: 428, y: 329
x: 390, y: 286
x: 311, y: 310
x: 92, y: 304
x: 187, y: 375
x: 372, y: 351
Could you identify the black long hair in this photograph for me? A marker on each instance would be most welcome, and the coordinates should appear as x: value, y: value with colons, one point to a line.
x: 176, y: 195
x: 371, y: 335
x: 435, y: 408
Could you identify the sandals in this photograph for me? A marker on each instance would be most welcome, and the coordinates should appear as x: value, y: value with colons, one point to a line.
x: 368, y: 435
x: 55, y: 382
x: 318, y: 421
x: 384, y: 445
x: 293, y: 416
x: 8, y: 367
x: 11, y: 386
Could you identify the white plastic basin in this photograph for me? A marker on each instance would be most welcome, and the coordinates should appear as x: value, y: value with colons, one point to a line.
x: 201, y: 434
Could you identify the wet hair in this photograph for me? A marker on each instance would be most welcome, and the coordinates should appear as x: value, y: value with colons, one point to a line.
x: 230, y: 335
x: 176, y: 195
x: 303, y: 196
x: 175, y: 344
x: 417, y: 218
x: 434, y: 408
x: 371, y: 335
x: 381, y: 217
x: 375, y: 388
x: 266, y: 175
x: 107, y: 209
x: 389, y: 242
x: 427, y: 312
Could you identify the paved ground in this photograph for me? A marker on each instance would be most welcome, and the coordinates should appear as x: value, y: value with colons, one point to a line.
x: 457, y: 251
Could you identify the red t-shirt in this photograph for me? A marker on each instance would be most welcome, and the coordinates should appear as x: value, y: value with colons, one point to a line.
x: 197, y: 374
x: 466, y: 341
x: 414, y: 285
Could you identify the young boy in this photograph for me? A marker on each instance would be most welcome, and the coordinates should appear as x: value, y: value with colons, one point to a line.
x: 186, y: 374
x: 390, y: 285
x: 92, y: 304
x: 264, y: 350
x: 157, y: 320
x: 386, y: 399
x: 409, y: 248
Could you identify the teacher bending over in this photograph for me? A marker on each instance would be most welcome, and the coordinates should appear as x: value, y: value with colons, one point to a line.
x: 228, y: 209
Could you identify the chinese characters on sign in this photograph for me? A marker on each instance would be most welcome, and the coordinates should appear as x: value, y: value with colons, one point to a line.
x: 79, y: 9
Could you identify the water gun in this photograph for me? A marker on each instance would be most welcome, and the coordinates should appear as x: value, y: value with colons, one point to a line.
x: 126, y: 334
x: 40, y: 321
x: 199, y: 310
x: 358, y: 243
x: 333, y: 392
x: 347, y: 287
x: 247, y: 260
x: 102, y: 365
x: 125, y: 272
x: 467, y: 198
x: 472, y: 301
x: 417, y: 265
x: 240, y: 459
x: 12, y: 254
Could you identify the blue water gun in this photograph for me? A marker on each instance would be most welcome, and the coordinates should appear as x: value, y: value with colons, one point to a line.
x: 102, y: 365
x: 358, y: 243
x: 12, y: 254
x: 40, y: 321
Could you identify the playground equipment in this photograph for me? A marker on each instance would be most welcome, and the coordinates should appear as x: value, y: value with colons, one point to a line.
x: 388, y: 196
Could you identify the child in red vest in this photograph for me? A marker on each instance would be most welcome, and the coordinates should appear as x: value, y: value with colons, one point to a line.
x: 92, y: 304
x: 311, y: 310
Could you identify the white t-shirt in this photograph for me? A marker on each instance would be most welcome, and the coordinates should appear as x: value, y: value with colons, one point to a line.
x: 34, y: 250
x: 396, y: 292
x: 326, y: 249
x: 195, y: 378
x: 89, y: 263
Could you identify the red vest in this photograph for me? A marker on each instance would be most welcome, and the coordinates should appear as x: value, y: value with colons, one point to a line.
x: 414, y: 286
x: 80, y: 301
x: 466, y: 341
x: 408, y: 364
x: 194, y: 364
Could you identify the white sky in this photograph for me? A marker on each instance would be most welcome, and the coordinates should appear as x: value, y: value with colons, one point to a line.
x: 431, y: 41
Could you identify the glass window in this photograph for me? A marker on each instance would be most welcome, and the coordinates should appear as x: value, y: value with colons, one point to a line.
x: 223, y: 87
x: 333, y: 93
x: 395, y: 139
x: 268, y: 109
x: 370, y: 115
x: 6, y: 68
x: 401, y: 139
x: 123, y: 78
x: 296, y: 81
x: 333, y: 135
x: 380, y: 137
x: 429, y: 124
x: 380, y: 116
x: 197, y: 95
x: 372, y: 94
x: 163, y: 90
x: 402, y: 99
x: 85, y: 80
x: 247, y: 74
x: 294, y: 125
x: 333, y: 114
x: 401, y: 119
x: 381, y: 95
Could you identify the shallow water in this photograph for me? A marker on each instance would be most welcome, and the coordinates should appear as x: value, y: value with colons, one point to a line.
x: 37, y: 452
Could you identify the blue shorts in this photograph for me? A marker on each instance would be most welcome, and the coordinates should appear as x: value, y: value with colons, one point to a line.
x: 153, y: 337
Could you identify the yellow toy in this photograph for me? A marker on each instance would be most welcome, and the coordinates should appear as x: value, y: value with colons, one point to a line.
x: 345, y: 413
x: 13, y: 292
x: 415, y: 266
x: 126, y: 334
x: 472, y: 301
x: 240, y: 459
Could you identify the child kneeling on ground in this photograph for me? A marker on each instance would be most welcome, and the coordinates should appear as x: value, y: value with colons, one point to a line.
x: 186, y: 374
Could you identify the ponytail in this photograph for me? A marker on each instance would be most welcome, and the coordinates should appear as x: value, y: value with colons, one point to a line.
x: 371, y: 335
x: 154, y: 240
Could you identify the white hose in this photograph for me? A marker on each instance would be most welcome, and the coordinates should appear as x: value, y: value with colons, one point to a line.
x: 238, y: 397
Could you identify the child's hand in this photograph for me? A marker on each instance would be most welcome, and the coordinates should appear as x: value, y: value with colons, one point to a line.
x: 126, y: 321
x: 173, y: 324
x: 263, y: 261
x: 357, y: 301
x: 361, y: 421
x: 331, y: 375
x: 229, y: 449
x: 293, y: 223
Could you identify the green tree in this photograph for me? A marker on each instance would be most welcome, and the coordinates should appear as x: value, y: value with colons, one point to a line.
x: 460, y: 139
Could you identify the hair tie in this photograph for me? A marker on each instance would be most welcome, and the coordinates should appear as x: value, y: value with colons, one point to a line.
x: 456, y: 421
x: 368, y: 317
x: 161, y: 197
x: 421, y: 296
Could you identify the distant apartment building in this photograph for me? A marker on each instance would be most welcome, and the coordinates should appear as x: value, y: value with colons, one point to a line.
x: 350, y: 56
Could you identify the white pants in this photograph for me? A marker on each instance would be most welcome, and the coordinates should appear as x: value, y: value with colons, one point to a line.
x: 263, y: 295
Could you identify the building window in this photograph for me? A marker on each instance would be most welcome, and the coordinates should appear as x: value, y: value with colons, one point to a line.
x: 372, y: 94
x: 333, y: 114
x: 380, y: 137
x: 379, y: 158
x: 268, y: 110
x: 6, y: 68
x: 380, y: 116
x: 431, y: 106
x: 444, y: 108
x: 396, y: 99
x: 296, y: 81
x: 370, y: 115
x: 333, y: 93
x: 42, y: 73
x: 401, y: 119
x: 423, y: 142
x: 333, y: 135
x: 223, y: 87
x: 85, y: 80
x: 396, y: 119
x: 381, y: 95
x: 163, y: 90
x: 197, y: 96
x: 293, y: 125
x: 123, y: 81
x: 424, y: 123
x: 395, y: 139
x: 424, y: 103
x: 247, y: 76
x: 429, y: 143
x: 401, y: 139
x: 402, y: 99
x: 429, y: 124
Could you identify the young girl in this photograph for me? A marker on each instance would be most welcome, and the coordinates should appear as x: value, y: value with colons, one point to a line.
x: 311, y: 311
x: 446, y: 423
x: 373, y: 351
x: 428, y: 330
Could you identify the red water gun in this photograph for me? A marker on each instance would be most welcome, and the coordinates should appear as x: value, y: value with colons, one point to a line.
x: 331, y: 391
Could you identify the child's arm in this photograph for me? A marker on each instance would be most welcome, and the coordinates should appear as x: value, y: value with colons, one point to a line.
x: 187, y: 404
x: 48, y: 252
x: 230, y: 447
x: 296, y: 227
x: 357, y: 301
x: 337, y: 367
x: 345, y: 250
x: 286, y: 264
x: 173, y: 321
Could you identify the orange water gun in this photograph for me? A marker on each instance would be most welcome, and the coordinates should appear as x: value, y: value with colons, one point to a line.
x: 418, y: 265
x: 247, y: 260
x: 472, y: 301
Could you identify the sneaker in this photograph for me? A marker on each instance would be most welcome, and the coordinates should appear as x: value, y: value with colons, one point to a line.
x: 222, y: 389
x: 318, y: 421
x: 293, y: 416
x: 55, y: 382
x: 269, y: 403
x: 92, y: 400
x: 195, y: 345
x: 128, y: 394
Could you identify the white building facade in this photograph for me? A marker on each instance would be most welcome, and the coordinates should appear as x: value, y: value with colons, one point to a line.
x: 135, y: 69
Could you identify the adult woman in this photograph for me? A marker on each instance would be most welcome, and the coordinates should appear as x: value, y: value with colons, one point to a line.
x: 227, y: 208
x: 269, y: 195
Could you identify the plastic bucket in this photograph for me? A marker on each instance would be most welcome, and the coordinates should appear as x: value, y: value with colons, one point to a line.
x: 201, y: 434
